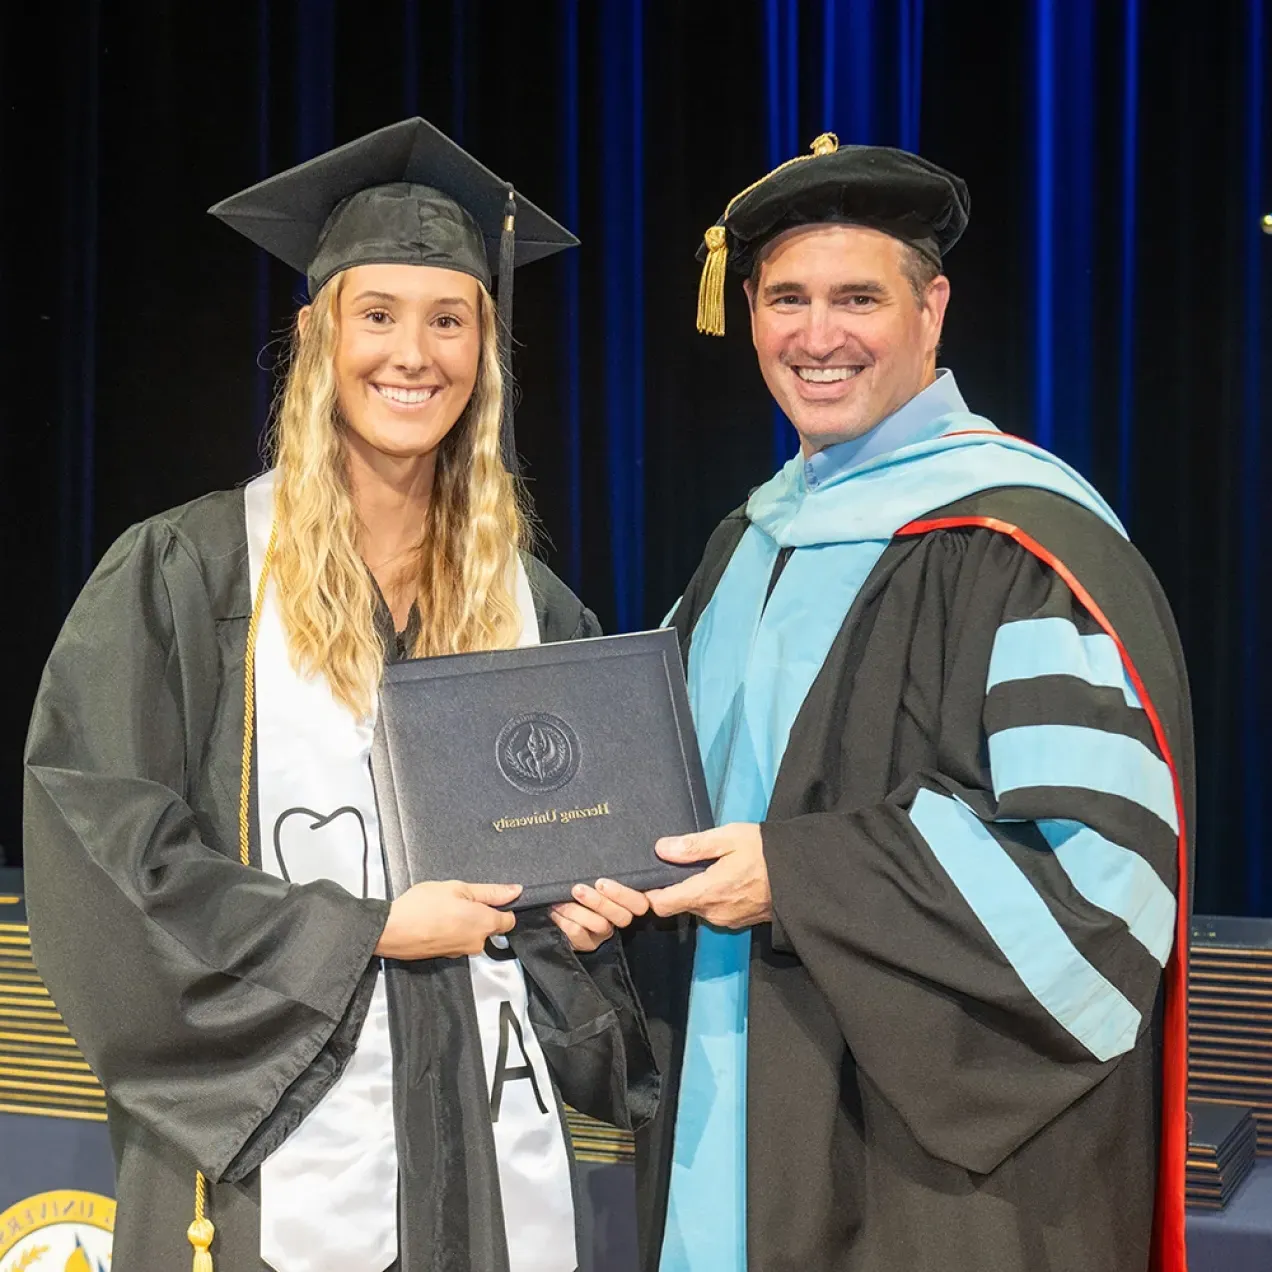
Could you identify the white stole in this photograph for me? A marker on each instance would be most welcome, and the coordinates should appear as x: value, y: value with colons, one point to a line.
x: 329, y: 1193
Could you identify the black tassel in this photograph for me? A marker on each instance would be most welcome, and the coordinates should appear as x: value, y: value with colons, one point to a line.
x: 507, y: 264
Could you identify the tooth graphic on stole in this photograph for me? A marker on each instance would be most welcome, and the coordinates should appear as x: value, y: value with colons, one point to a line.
x: 310, y: 845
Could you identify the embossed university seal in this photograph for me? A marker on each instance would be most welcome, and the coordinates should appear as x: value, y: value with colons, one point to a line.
x: 537, y: 752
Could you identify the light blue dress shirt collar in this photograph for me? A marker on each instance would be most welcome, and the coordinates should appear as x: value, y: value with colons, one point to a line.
x: 917, y: 421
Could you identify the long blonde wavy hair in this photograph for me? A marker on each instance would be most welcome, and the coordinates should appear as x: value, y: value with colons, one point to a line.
x: 468, y: 542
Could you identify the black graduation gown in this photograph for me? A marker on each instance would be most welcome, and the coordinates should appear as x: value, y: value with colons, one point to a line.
x: 910, y: 1104
x: 217, y: 1004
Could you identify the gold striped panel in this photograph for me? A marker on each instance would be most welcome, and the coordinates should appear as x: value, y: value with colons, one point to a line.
x: 597, y: 1142
x: 1230, y: 1032
x: 84, y: 1115
x: 42, y: 1072
x: 74, y: 1070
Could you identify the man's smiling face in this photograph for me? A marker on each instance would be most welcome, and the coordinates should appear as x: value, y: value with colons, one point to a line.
x: 842, y: 339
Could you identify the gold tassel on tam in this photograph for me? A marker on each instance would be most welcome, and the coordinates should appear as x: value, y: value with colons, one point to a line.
x: 201, y: 1231
x: 711, y: 285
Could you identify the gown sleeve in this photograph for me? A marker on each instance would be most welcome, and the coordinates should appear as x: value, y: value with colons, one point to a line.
x: 201, y: 991
x: 991, y: 937
x: 589, y: 1023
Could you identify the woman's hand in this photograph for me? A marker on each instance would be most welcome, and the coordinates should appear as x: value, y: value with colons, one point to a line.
x: 446, y: 920
x: 592, y: 916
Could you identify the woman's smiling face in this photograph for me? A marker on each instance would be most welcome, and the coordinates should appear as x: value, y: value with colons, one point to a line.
x: 407, y: 352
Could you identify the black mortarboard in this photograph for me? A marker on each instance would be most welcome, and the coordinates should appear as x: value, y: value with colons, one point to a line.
x: 405, y: 194
x: 875, y: 186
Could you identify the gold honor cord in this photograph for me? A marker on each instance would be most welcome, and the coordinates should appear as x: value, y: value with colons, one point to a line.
x: 201, y: 1232
x: 711, y: 285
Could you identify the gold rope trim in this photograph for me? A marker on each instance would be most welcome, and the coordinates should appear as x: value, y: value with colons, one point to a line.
x: 201, y: 1232
x: 711, y: 285
x: 249, y: 702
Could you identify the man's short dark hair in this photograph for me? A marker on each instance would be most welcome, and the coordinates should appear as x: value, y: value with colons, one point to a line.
x: 920, y: 272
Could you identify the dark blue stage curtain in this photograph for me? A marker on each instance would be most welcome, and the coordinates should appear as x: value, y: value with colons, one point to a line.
x: 1110, y: 300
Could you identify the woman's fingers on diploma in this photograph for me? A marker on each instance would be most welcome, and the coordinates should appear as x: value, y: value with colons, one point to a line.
x: 612, y: 901
x: 586, y: 917
x: 586, y: 929
x: 446, y: 919
x: 633, y: 902
x: 490, y: 895
x: 493, y: 893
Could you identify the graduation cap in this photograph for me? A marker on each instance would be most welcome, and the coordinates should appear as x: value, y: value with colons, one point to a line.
x: 405, y: 194
x: 901, y: 194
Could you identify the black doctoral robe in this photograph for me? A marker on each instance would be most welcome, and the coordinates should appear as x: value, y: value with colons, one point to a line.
x: 911, y: 1105
x: 217, y: 1003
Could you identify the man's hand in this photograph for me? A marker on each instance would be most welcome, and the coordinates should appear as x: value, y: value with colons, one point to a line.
x: 446, y: 920
x: 732, y: 892
x: 590, y: 919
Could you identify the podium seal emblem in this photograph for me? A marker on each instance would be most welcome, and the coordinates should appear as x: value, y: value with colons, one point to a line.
x: 62, y: 1231
x: 537, y: 752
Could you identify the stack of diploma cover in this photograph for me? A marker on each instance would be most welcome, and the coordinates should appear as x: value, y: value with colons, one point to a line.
x: 1230, y: 1016
x: 545, y: 766
x: 1221, y: 1143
